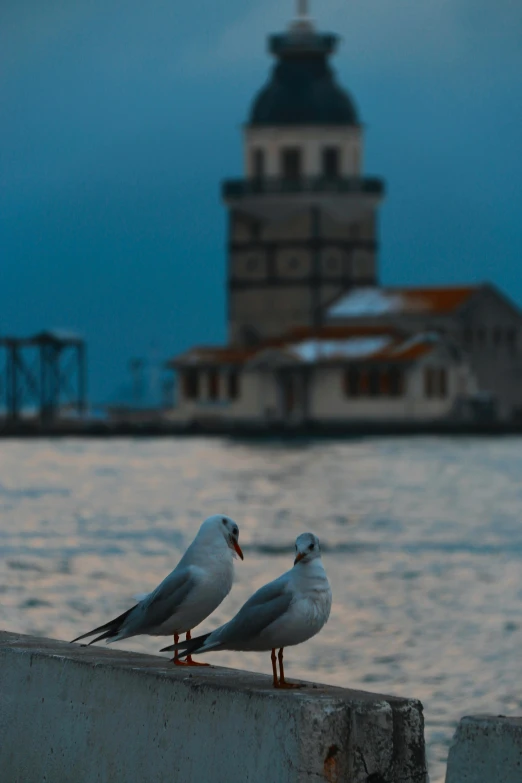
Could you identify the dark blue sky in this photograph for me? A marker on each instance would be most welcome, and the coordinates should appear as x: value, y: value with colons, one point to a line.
x: 120, y: 118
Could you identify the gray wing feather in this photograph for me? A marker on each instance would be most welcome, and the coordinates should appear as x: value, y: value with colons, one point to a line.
x: 162, y: 603
x: 262, y: 609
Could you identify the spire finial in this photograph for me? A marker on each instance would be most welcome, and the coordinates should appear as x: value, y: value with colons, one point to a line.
x: 302, y: 8
x: 302, y: 24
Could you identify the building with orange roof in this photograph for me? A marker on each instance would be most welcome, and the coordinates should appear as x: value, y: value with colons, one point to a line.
x: 313, y: 338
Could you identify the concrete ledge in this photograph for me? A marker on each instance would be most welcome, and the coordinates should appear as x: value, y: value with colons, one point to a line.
x: 69, y: 713
x: 486, y: 749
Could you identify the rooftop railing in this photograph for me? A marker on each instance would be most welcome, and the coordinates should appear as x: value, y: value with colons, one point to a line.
x: 236, y: 188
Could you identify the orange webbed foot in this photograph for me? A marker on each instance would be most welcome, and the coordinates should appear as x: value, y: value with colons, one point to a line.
x: 191, y: 662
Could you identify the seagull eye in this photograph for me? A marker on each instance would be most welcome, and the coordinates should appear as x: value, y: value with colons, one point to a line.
x: 224, y: 521
x: 311, y: 547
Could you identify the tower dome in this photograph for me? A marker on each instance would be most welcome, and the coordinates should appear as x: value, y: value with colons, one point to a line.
x: 302, y: 89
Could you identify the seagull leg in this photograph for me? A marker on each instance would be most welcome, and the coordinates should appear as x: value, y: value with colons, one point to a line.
x: 282, y: 682
x: 189, y: 661
x: 176, y: 660
x: 274, y: 668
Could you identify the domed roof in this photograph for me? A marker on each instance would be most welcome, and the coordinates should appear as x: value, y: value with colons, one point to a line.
x: 302, y: 89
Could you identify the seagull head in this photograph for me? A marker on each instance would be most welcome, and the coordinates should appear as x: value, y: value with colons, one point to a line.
x: 307, y: 548
x: 222, y: 525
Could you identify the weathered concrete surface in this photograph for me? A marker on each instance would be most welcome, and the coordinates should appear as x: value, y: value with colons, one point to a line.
x: 74, y: 714
x: 486, y: 749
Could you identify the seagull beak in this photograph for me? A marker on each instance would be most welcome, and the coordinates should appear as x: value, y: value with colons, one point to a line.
x: 238, y: 549
x: 299, y: 557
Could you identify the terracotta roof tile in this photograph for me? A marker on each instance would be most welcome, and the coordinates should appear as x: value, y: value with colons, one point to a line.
x: 372, y: 302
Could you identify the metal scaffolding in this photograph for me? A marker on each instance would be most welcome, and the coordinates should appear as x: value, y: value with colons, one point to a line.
x: 42, y: 373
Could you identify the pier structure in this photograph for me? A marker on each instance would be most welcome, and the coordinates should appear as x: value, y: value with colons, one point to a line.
x: 41, y: 374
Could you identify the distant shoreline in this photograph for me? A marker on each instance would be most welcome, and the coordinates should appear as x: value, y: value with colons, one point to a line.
x: 333, y: 431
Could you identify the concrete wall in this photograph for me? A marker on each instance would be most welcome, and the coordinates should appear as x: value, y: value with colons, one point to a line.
x: 69, y: 713
x: 486, y: 749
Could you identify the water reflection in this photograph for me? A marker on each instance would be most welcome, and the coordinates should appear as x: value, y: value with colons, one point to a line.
x: 422, y: 542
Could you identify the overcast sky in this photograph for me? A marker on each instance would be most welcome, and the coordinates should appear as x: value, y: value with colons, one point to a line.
x: 119, y: 119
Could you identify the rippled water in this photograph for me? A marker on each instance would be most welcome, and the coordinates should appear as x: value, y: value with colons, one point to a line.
x: 422, y: 540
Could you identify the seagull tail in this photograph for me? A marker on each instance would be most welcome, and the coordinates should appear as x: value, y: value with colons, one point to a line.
x: 109, y: 630
x: 190, y: 646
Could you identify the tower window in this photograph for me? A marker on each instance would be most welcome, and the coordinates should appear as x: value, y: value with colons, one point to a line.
x: 291, y: 163
x: 331, y: 167
x: 258, y: 163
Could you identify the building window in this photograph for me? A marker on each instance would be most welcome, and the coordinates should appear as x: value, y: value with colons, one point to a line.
x: 497, y: 336
x: 213, y: 384
x: 258, y: 164
x: 442, y: 382
x: 435, y: 382
x: 252, y: 263
x: 374, y: 382
x: 291, y: 163
x: 191, y: 384
x: 429, y: 382
x: 331, y: 160
x: 355, y: 231
x: 332, y: 264
x: 293, y: 263
x: 384, y: 382
x: 396, y: 382
x: 233, y: 385
x: 352, y: 379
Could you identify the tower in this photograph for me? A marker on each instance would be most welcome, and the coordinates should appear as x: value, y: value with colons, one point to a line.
x: 302, y: 221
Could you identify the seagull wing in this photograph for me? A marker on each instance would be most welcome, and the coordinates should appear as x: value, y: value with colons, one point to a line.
x: 162, y: 603
x: 268, y: 604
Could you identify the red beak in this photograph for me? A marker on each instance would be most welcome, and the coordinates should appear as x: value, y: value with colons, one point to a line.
x: 298, y: 558
x: 238, y: 549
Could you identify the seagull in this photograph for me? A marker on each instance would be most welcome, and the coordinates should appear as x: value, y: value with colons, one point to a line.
x: 189, y: 594
x: 289, y: 610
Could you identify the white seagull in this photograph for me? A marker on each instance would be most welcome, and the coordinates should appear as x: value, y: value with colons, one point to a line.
x: 189, y: 594
x: 287, y: 611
